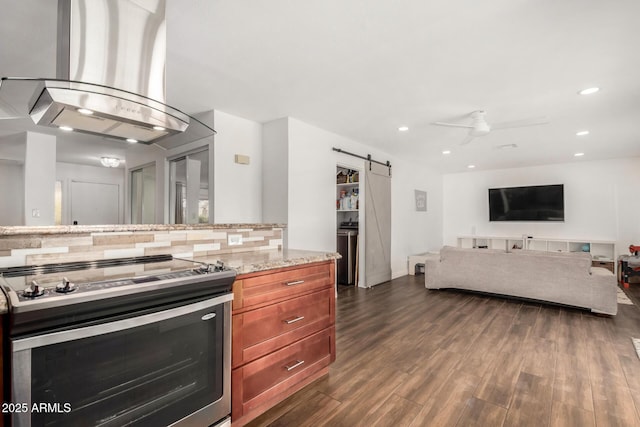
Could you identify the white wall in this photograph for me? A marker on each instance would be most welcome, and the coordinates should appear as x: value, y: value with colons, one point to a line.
x: 238, y: 189
x: 414, y: 232
x: 39, y: 179
x: 601, y: 201
x: 12, y: 190
x: 275, y: 176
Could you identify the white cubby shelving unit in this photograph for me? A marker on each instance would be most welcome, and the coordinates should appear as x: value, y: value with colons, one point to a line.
x: 602, y: 251
x: 490, y: 242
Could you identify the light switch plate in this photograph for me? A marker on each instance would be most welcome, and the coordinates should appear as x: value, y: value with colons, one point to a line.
x: 234, y: 239
x: 241, y: 159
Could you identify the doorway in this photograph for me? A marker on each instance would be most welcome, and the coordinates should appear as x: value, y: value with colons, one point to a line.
x: 143, y: 195
x: 348, y: 225
x: 189, y: 192
x: 363, y: 205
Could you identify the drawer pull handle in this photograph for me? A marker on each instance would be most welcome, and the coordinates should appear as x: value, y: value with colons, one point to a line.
x: 297, y: 282
x: 294, y: 320
x: 294, y: 366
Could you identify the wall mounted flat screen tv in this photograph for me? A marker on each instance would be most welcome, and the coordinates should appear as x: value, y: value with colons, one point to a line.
x: 533, y: 203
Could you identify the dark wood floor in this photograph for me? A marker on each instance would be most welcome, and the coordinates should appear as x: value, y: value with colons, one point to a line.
x: 408, y: 356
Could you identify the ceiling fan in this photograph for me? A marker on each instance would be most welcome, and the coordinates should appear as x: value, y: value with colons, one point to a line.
x: 480, y: 127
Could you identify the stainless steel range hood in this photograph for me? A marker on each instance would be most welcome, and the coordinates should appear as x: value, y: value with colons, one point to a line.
x: 110, y: 80
x: 104, y: 111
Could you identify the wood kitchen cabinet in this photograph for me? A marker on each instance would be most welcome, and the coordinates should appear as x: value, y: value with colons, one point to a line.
x: 283, y: 335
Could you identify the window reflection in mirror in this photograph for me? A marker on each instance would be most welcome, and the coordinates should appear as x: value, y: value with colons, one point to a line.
x: 143, y: 195
x: 189, y: 200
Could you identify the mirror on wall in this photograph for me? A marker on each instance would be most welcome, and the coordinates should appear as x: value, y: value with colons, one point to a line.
x: 85, y: 191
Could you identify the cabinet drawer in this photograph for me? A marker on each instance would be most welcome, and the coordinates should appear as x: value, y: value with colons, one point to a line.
x: 266, y: 378
x: 263, y: 289
x: 261, y: 331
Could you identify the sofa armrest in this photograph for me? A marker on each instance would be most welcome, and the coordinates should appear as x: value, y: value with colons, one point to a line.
x: 604, y: 290
x: 432, y: 267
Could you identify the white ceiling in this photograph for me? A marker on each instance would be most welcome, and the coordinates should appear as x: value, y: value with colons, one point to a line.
x: 361, y: 68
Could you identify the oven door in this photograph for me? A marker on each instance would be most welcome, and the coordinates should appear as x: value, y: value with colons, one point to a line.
x: 169, y: 367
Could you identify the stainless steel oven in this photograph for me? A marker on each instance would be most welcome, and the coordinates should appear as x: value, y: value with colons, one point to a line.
x: 151, y: 349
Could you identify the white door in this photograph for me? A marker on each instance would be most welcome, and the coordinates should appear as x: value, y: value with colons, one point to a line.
x: 377, y: 224
x: 94, y: 203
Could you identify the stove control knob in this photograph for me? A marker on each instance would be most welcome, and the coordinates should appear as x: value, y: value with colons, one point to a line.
x: 204, y: 269
x: 65, y: 286
x: 34, y: 290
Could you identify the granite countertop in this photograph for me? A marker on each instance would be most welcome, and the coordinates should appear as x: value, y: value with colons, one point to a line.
x: 72, y: 229
x: 251, y: 262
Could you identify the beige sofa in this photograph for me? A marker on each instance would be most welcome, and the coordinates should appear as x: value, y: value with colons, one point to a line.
x: 563, y: 278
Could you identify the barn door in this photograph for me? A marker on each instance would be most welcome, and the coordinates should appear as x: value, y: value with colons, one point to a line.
x: 377, y: 224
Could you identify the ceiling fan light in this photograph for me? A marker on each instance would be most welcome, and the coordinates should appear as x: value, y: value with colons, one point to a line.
x: 589, y: 91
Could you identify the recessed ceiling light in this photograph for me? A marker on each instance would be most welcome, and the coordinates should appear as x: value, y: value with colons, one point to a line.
x: 471, y: 166
x: 578, y: 155
x: 66, y: 128
x: 446, y: 152
x: 506, y: 146
x: 158, y: 128
x: 131, y: 140
x: 582, y: 133
x: 403, y: 128
x: 589, y: 91
x: 85, y: 111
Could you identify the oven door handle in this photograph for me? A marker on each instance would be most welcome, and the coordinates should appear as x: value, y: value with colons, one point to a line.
x: 118, y: 325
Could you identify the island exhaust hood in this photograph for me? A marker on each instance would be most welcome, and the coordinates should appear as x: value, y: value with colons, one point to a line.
x: 110, y: 77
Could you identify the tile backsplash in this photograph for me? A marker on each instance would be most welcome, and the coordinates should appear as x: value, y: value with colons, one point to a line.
x: 47, y: 248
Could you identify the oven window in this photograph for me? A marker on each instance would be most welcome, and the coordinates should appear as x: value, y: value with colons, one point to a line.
x: 149, y: 375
